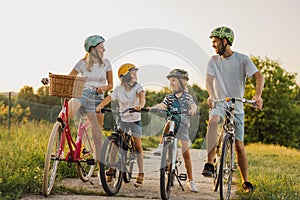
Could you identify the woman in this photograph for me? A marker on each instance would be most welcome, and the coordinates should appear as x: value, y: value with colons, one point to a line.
x: 98, y: 72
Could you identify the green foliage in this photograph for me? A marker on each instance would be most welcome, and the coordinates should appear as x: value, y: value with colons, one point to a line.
x: 279, y: 121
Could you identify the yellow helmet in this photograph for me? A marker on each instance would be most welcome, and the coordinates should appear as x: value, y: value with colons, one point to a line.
x: 125, y: 68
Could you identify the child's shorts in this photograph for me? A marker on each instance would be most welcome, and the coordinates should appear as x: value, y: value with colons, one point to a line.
x: 134, y: 127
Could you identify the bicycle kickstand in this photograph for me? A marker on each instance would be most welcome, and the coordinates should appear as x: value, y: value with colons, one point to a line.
x: 178, y: 179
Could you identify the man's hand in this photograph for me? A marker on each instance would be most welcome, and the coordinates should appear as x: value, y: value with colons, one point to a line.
x: 259, y: 102
x: 210, y: 101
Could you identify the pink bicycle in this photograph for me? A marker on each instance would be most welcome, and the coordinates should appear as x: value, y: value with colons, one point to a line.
x: 80, y: 150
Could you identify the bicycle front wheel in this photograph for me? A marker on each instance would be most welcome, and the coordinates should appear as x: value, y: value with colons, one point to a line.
x: 217, y: 162
x: 87, y: 162
x: 166, y: 174
x: 52, y: 158
x: 226, y: 168
x: 129, y: 160
x: 111, y: 166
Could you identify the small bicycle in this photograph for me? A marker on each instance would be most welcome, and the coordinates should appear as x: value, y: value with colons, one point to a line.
x: 80, y: 151
x: 118, y: 155
x: 224, y: 165
x: 170, y: 160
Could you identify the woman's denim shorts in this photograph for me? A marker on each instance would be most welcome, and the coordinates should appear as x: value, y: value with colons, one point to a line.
x: 89, y: 100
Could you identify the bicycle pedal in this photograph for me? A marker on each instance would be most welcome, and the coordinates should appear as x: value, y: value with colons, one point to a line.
x: 235, y: 166
x: 182, y: 177
x: 84, y: 151
x: 90, y: 161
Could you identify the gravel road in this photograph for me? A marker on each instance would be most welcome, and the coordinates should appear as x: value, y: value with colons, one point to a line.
x: 150, y: 188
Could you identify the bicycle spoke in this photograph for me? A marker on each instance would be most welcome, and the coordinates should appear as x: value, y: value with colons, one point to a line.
x: 166, y: 175
x: 52, y: 158
x: 111, y: 166
x: 226, y: 168
x: 87, y: 161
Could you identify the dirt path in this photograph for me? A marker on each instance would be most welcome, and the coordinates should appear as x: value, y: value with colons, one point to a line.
x: 150, y: 188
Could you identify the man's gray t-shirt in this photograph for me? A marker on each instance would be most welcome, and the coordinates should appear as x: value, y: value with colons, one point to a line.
x: 230, y: 75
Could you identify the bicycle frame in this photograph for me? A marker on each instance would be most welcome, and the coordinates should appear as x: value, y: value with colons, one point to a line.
x: 74, y: 147
x: 169, y: 157
x: 80, y: 152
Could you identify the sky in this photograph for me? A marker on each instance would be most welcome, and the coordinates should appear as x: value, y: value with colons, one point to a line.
x: 38, y: 37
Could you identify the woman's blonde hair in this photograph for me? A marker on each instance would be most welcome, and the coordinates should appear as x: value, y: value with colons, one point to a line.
x: 89, y: 62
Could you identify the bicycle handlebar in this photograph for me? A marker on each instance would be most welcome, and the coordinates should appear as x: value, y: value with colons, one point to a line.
x: 130, y: 110
x: 233, y: 99
x: 171, y: 112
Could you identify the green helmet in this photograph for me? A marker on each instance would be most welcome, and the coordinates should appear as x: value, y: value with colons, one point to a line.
x: 223, y: 32
x: 92, y: 41
x: 179, y: 73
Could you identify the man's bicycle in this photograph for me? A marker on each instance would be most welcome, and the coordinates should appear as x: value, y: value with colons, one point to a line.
x: 224, y: 165
x: 80, y: 150
x: 118, y: 155
x: 170, y: 160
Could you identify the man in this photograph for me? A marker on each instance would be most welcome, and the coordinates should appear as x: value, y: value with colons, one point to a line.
x: 226, y: 77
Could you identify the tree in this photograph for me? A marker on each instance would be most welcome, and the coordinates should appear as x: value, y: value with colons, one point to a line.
x: 279, y: 121
x: 27, y: 93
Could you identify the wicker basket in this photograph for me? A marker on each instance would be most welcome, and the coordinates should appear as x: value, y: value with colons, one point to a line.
x: 66, y: 86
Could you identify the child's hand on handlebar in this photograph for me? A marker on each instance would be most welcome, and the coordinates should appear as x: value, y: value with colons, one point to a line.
x: 98, y: 109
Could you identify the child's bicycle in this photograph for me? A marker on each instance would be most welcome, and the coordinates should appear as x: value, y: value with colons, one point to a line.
x: 224, y: 165
x: 118, y: 155
x: 80, y: 150
x: 170, y: 162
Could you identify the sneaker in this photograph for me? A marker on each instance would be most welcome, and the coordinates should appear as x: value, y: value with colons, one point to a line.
x: 139, y: 179
x: 208, y: 170
x: 110, y: 173
x: 248, y: 187
x: 192, y: 186
x: 158, y: 151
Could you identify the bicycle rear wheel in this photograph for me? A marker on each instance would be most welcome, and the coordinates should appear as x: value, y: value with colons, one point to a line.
x: 111, y: 166
x: 226, y: 167
x: 87, y: 163
x: 52, y: 158
x: 166, y: 175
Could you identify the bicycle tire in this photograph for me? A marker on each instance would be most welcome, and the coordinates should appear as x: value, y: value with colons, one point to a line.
x: 226, y: 168
x: 86, y: 165
x: 52, y: 158
x: 111, y: 183
x: 217, y: 164
x: 166, y: 175
x: 129, y: 160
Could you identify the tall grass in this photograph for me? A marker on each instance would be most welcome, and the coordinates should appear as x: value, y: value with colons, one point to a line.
x: 22, y: 154
x: 275, y: 171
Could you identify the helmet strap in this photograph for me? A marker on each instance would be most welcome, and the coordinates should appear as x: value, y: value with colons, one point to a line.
x: 181, y: 87
x: 223, y: 49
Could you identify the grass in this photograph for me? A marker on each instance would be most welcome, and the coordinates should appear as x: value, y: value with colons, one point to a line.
x: 275, y: 172
x: 273, y: 169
